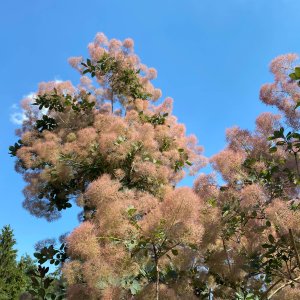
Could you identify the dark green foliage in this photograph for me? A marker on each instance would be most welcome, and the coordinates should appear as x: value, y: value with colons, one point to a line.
x: 46, y: 123
x: 124, y: 80
x: 270, y: 177
x: 156, y: 119
x: 184, y: 160
x: 27, y: 265
x: 296, y: 77
x: 290, y: 141
x: 240, y: 295
x: 277, y: 253
x: 44, y: 285
x: 50, y: 101
x: 13, y: 149
x: 12, y: 277
x: 25, y: 279
x: 59, y: 103
x: 54, y: 256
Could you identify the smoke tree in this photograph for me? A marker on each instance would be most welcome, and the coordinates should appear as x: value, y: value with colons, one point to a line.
x: 253, y: 241
x: 108, y: 147
x: 105, y: 145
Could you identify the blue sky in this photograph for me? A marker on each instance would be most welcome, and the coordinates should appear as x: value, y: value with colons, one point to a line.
x: 211, y: 56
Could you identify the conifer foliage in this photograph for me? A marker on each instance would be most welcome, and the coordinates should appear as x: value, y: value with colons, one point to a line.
x: 12, y: 278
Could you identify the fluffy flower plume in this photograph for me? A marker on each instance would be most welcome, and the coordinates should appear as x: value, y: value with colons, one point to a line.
x: 229, y: 163
x: 283, y: 93
x: 178, y: 214
x: 83, y: 242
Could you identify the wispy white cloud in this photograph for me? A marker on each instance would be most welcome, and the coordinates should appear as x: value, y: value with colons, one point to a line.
x: 57, y: 80
x: 17, y: 118
x: 30, y: 96
x: 18, y: 115
x: 14, y: 106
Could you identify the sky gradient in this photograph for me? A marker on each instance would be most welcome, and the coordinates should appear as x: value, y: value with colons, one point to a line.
x: 211, y: 57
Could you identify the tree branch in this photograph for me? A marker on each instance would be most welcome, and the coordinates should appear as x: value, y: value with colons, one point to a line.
x: 227, y: 256
x: 282, y: 287
x: 294, y: 247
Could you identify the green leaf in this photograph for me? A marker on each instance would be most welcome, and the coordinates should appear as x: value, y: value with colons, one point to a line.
x: 273, y: 149
x: 295, y: 135
x: 271, y: 238
x: 188, y: 163
x: 174, y: 252
x: 212, y: 202
x: 47, y: 282
x: 131, y: 211
x: 293, y: 76
x: 33, y: 292
x: 225, y: 213
x: 297, y: 72
x: 35, y: 282
x: 297, y: 181
x: 42, y: 292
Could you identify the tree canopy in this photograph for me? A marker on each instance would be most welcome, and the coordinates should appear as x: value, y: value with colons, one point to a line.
x: 107, y: 146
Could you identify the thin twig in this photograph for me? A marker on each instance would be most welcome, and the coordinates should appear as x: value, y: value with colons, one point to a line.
x: 274, y: 284
x: 294, y: 247
x: 227, y: 256
x: 297, y: 164
x: 157, y: 272
x: 282, y: 287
